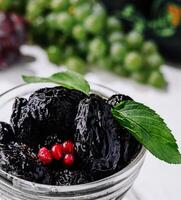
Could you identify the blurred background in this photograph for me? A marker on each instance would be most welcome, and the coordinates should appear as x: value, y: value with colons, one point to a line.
x: 132, y: 46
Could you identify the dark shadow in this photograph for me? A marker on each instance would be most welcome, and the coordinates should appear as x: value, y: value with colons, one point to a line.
x: 172, y: 64
x: 27, y: 59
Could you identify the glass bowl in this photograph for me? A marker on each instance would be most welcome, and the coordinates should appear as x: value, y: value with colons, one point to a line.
x: 110, y: 188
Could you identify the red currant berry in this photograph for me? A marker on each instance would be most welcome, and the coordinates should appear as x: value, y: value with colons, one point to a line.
x: 57, y: 151
x: 68, y: 160
x: 68, y: 147
x: 45, y: 156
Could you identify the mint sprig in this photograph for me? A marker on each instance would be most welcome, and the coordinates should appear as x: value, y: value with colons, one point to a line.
x: 149, y: 129
x: 68, y: 79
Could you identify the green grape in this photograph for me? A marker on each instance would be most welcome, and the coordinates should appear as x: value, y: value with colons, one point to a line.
x: 105, y: 63
x: 149, y: 47
x: 65, y: 22
x: 98, y: 9
x: 59, y: 5
x: 79, y: 32
x: 139, y: 76
x: 82, y: 11
x: 157, y: 79
x: 76, y: 64
x: 91, y: 58
x: 120, y: 70
x: 55, y: 54
x: 5, y: 4
x: 134, y: 40
x: 33, y: 10
x: 97, y: 47
x: 51, y: 20
x: 133, y: 62
x: 154, y: 61
x: 118, y: 52
x: 43, y: 3
x: 76, y: 2
x: 116, y: 37
x: 39, y: 28
x: 69, y: 51
x: 39, y: 22
x: 113, y: 24
x: 94, y: 23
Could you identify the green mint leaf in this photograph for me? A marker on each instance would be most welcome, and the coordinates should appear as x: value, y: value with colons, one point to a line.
x: 68, y: 79
x: 149, y: 129
x: 71, y: 80
x: 34, y: 79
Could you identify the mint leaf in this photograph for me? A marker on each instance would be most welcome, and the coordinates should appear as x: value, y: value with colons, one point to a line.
x: 149, y: 129
x: 68, y: 79
x: 34, y: 79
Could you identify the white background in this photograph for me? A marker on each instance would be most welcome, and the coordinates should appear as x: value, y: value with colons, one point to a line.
x: 157, y: 180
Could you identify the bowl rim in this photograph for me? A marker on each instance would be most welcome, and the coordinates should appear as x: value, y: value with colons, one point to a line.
x: 73, y: 188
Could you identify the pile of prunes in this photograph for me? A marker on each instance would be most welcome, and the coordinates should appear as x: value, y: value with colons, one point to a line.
x: 53, y: 115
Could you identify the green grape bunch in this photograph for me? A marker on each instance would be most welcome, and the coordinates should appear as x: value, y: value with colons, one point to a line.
x: 81, y: 34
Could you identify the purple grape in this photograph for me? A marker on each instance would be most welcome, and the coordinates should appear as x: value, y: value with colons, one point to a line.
x: 12, y: 36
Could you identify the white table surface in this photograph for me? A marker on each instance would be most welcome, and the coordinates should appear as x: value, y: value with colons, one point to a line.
x: 157, y: 180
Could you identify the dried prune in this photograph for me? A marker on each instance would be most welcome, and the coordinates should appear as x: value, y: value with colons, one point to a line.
x: 20, y: 119
x: 39, y: 174
x: 129, y: 145
x: 129, y: 148
x: 48, y: 111
x: 54, y: 110
x: 16, y: 158
x: 117, y: 98
x: 71, y: 177
x: 6, y: 133
x: 96, y: 139
x: 50, y: 141
x: 22, y: 123
x: 20, y: 160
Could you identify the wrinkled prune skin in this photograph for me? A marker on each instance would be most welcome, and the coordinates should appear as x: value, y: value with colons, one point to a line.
x: 54, y: 110
x: 19, y: 114
x: 20, y: 160
x: 48, y: 111
x: 129, y: 149
x: 24, y: 127
x: 40, y: 174
x: 96, y: 139
x: 117, y: 98
x: 71, y: 177
x: 6, y: 133
x: 14, y: 157
x: 50, y: 141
